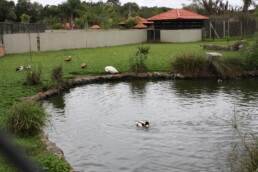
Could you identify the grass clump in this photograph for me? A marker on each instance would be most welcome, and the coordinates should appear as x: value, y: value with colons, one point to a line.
x: 189, y: 64
x: 51, y: 163
x: 250, y: 55
x: 57, y: 74
x: 195, y: 65
x: 245, y: 159
x: 27, y: 118
x: 137, y: 61
x: 33, y: 77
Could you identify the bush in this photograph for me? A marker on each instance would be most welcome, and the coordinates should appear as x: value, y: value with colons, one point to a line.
x: 137, y: 61
x: 57, y: 26
x: 143, y: 50
x: 51, y: 163
x: 57, y: 74
x: 189, y: 64
x: 251, y: 57
x: 225, y: 68
x: 33, y: 77
x: 195, y: 64
x: 27, y: 118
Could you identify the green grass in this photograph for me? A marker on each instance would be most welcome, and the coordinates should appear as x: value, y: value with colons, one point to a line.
x: 12, y: 88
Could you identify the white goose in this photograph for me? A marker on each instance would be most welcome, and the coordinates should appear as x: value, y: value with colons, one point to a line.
x: 111, y: 69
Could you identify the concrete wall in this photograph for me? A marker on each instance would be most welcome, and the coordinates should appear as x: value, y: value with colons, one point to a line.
x: 189, y: 35
x: 59, y: 40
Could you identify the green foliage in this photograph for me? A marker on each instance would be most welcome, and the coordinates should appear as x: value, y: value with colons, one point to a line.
x: 25, y: 18
x: 137, y: 61
x: 132, y: 21
x: 27, y: 118
x: 251, y: 57
x: 51, y: 163
x: 195, y: 64
x: 247, y: 159
x: 57, y: 74
x: 57, y: 26
x: 189, y: 64
x: 33, y: 77
x: 143, y: 50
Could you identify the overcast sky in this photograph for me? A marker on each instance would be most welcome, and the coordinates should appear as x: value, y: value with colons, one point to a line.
x: 149, y: 3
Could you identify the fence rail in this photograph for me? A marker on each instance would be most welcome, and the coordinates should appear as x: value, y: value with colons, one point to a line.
x: 220, y: 29
x: 11, y: 28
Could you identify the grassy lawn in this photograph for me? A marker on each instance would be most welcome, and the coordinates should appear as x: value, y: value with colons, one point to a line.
x: 11, y: 81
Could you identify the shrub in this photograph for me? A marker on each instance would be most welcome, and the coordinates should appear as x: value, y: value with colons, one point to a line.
x: 57, y: 74
x: 250, y: 55
x: 189, y: 64
x: 33, y: 77
x: 57, y: 26
x: 137, y: 61
x: 143, y: 50
x: 225, y: 68
x: 27, y: 118
x: 195, y: 64
x: 51, y: 163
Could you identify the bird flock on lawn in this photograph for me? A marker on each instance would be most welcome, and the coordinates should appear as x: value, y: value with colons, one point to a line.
x: 108, y: 69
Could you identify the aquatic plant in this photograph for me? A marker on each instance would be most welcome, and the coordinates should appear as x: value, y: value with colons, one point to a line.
x: 250, y: 57
x: 189, y: 64
x: 194, y: 64
x: 51, y: 163
x: 27, y: 118
x: 247, y: 158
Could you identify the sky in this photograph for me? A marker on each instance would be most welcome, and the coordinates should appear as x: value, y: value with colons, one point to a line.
x: 149, y: 3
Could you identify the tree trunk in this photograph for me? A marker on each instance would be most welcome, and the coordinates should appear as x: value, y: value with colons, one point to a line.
x: 71, y: 20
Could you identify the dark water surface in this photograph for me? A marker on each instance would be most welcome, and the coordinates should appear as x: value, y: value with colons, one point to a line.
x: 189, y: 124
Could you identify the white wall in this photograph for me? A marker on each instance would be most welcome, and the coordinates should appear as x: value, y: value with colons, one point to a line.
x: 59, y: 40
x: 188, y: 35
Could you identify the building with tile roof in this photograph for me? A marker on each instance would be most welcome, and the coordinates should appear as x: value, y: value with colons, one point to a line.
x: 178, y: 19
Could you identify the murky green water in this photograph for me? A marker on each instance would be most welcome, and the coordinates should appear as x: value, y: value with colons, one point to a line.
x: 189, y: 124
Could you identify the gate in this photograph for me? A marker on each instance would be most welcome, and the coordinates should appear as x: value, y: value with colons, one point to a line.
x: 153, y: 36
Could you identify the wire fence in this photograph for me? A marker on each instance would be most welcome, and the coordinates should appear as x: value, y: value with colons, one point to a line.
x: 222, y: 29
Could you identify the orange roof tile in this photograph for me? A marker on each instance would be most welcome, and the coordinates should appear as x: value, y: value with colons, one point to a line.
x: 95, y: 27
x: 177, y: 14
x: 142, y: 20
x: 140, y: 26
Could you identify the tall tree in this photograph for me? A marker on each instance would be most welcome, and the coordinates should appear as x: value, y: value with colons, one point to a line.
x: 247, y: 4
x: 70, y: 8
x: 7, y: 10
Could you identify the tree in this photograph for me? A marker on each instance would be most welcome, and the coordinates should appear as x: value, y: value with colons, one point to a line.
x: 247, y: 4
x: 25, y: 18
x: 7, y: 10
x: 70, y: 8
x: 113, y: 2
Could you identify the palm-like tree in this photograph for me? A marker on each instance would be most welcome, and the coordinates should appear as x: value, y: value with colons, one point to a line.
x: 247, y: 4
x: 71, y: 7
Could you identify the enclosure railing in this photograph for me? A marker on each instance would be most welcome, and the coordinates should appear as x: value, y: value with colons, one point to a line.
x: 221, y: 29
x: 11, y: 28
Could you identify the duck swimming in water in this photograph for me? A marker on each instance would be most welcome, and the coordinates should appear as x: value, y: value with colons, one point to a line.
x: 145, y: 124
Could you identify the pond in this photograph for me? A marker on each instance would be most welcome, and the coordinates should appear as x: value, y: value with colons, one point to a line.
x: 190, y: 124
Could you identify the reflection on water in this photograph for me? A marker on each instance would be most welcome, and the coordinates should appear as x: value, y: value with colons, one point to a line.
x: 190, y: 124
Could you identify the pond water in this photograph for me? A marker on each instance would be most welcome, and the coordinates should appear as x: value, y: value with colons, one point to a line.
x: 189, y: 124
